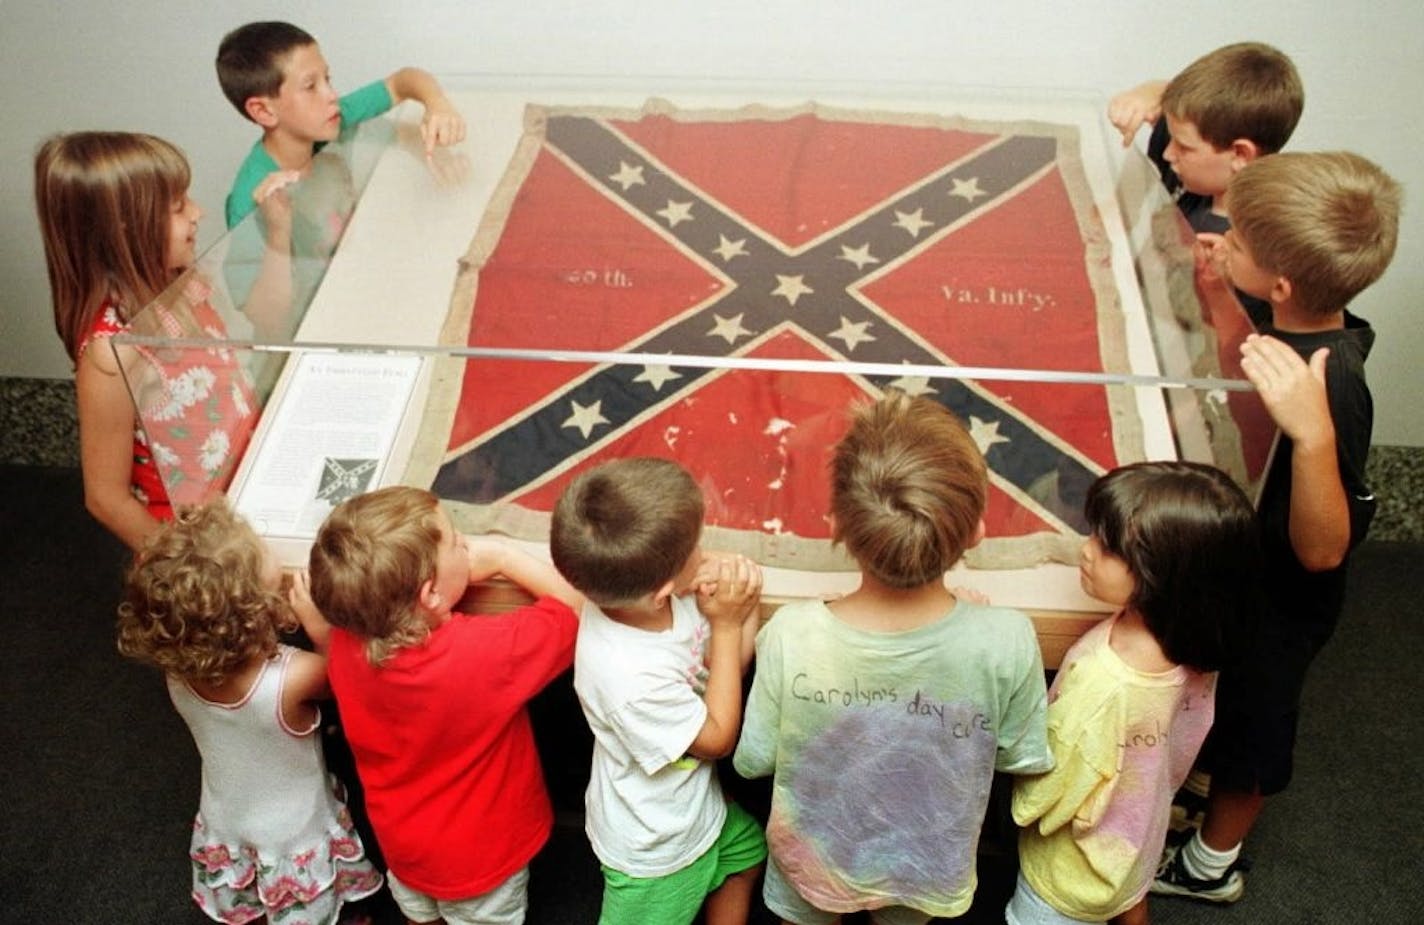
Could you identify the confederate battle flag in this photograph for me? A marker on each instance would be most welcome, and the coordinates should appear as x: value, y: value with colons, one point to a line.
x: 805, y: 234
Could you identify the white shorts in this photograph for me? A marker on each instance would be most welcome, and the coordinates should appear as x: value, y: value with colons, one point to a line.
x: 503, y: 905
x: 1026, y: 907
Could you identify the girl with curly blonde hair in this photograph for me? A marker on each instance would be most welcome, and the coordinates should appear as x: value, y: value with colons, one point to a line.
x: 203, y: 603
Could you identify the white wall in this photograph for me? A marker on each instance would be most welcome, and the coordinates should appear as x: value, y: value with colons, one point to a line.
x: 147, y: 66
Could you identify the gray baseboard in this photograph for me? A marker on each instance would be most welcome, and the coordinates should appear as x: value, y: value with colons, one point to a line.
x: 38, y: 422
x: 1396, y: 473
x: 38, y: 427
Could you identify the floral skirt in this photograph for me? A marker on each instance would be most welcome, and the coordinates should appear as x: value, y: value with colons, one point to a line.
x: 235, y: 883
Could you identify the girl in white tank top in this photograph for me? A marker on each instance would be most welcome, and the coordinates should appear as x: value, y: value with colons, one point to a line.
x: 271, y: 838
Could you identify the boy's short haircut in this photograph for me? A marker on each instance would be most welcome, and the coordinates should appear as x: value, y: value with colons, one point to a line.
x: 908, y: 489
x: 623, y: 529
x: 368, y: 562
x: 251, y: 60
x: 1247, y: 90
x: 1326, y: 221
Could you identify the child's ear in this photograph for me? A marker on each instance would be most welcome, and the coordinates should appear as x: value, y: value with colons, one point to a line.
x: 662, y: 595
x: 1243, y: 152
x: 260, y: 110
x: 978, y: 537
x: 428, y: 597
x: 1281, y: 290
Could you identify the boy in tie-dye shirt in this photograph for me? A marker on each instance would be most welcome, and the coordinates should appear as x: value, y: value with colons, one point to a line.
x: 883, y: 715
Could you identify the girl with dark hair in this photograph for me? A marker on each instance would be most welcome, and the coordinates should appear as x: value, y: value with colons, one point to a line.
x: 1174, y: 548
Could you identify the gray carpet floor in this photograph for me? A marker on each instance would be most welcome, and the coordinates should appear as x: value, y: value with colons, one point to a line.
x: 100, y: 779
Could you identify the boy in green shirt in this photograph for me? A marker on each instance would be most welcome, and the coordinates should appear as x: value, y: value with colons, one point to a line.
x: 275, y: 74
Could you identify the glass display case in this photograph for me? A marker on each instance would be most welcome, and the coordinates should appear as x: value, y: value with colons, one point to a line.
x: 712, y: 275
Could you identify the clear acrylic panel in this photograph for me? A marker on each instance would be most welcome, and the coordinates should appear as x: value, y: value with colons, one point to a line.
x: 699, y: 338
x: 186, y: 358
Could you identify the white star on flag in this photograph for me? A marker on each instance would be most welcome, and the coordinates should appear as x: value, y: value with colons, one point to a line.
x: 914, y: 385
x: 913, y: 222
x: 985, y: 434
x: 585, y: 417
x: 854, y: 334
x: 729, y: 329
x: 968, y: 190
x: 860, y: 256
x: 655, y: 376
x: 728, y: 249
x: 628, y: 176
x: 676, y: 212
x: 791, y: 288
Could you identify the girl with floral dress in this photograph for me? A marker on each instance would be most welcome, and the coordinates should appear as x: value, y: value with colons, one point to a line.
x: 119, y: 230
x: 271, y: 838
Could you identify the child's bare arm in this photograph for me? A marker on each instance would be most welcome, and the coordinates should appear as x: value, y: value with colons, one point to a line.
x: 269, y: 302
x: 749, y: 635
x: 306, y: 672
x: 276, y: 208
x: 305, y: 682
x: 106, y: 437
x: 490, y: 557
x: 728, y: 601
x: 1294, y: 394
x: 1213, y: 284
x: 705, y: 581
x: 1131, y: 109
x: 307, y: 613
x: 442, y: 124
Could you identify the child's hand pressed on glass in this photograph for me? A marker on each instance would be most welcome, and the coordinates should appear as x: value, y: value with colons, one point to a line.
x: 1132, y: 109
x: 441, y: 126
x: 487, y: 557
x: 728, y: 588
x: 1292, y: 389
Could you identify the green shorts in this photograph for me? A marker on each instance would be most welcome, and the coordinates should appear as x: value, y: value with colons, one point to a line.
x: 675, y: 898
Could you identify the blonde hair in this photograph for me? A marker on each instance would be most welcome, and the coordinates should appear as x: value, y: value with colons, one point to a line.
x: 195, y: 601
x: 1247, y: 90
x: 368, y: 562
x: 621, y: 530
x: 105, y: 201
x: 1326, y: 221
x: 908, y: 489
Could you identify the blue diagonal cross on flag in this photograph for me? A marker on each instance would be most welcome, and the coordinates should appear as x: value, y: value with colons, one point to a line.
x: 817, y: 290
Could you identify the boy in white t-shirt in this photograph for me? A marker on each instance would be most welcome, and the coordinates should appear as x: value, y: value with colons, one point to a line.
x: 658, y: 672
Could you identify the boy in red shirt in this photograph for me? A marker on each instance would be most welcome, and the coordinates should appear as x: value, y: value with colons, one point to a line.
x: 434, y: 702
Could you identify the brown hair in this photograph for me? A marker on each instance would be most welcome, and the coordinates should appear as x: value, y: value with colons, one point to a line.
x: 105, y: 201
x: 908, y: 489
x: 251, y: 60
x: 621, y: 530
x: 195, y: 603
x: 1328, y: 222
x: 1247, y: 90
x: 1188, y: 536
x: 368, y: 562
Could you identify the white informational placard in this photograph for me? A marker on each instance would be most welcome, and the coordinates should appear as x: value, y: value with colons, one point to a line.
x: 327, y: 435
